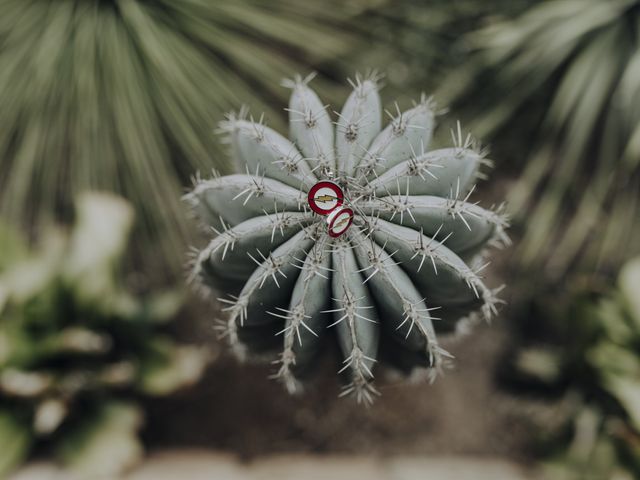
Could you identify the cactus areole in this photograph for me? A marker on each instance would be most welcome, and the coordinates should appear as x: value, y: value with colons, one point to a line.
x: 349, y: 233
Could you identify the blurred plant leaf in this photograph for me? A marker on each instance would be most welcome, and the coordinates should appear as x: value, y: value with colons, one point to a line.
x: 98, y: 241
x: 15, y: 441
x: 630, y: 288
x: 163, y: 306
x: 22, y: 277
x: 24, y: 384
x: 611, y: 315
x: 167, y: 367
x: 594, y: 340
x: 105, y: 444
x: 12, y: 246
x: 613, y: 359
x: 540, y: 364
x: 626, y: 390
x: 49, y: 415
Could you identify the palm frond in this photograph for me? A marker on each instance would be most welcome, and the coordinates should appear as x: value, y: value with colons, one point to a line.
x: 569, y: 72
x: 124, y: 95
x: 419, y: 42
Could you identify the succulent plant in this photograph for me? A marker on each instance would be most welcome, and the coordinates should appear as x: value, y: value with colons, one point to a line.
x: 77, y: 351
x: 352, y: 231
x: 584, y: 353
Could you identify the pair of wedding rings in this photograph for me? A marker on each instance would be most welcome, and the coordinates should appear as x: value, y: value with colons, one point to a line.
x: 327, y: 198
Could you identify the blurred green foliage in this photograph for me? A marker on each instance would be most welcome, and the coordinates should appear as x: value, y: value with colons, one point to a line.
x: 418, y: 43
x: 77, y: 351
x: 586, y: 352
x: 124, y: 95
x: 559, y: 88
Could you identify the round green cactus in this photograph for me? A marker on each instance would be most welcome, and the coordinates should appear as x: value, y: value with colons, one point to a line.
x: 397, y: 263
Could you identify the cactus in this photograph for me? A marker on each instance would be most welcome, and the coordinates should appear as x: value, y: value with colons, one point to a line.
x: 353, y: 231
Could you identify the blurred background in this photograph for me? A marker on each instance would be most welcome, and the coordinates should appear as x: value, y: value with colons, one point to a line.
x: 109, y: 365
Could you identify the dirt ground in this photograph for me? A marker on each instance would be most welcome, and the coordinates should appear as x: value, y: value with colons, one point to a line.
x: 238, y: 408
x: 206, y: 465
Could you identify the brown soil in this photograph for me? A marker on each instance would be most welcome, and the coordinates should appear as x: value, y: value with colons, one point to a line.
x: 238, y: 408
